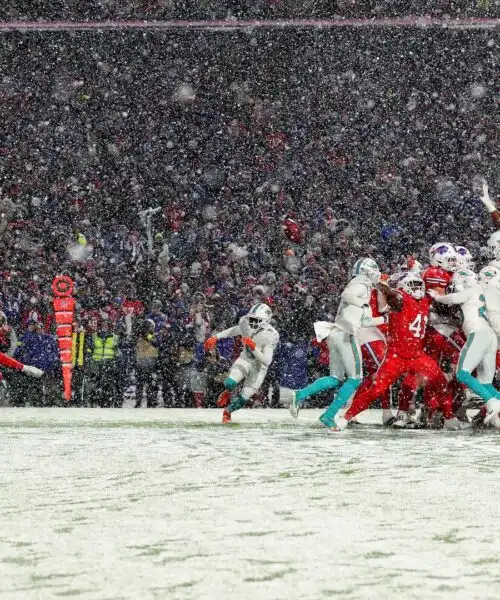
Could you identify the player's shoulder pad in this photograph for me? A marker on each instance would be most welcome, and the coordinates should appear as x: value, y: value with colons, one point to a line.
x: 361, y: 283
x: 272, y: 336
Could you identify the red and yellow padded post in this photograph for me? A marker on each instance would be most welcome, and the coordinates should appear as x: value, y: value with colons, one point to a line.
x: 64, y: 309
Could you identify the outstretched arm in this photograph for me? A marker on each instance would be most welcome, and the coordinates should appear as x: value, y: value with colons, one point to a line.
x: 454, y: 298
x: 211, y: 342
x: 227, y: 333
x: 12, y: 363
x: 490, y: 206
x: 373, y: 321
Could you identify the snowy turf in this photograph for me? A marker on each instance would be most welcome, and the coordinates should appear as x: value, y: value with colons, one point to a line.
x: 139, y: 504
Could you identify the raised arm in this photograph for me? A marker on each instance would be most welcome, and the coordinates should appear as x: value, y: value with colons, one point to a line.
x: 393, y: 298
x: 490, y: 206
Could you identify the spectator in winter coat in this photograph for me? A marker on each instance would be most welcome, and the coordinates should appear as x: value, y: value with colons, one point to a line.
x: 147, y: 364
x: 101, y: 362
x: 180, y: 336
x: 201, y: 321
x: 11, y: 306
x: 156, y: 315
x: 40, y: 349
x: 8, y: 337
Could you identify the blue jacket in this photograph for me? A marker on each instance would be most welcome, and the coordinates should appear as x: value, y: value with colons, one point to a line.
x: 291, y: 359
x: 39, y: 350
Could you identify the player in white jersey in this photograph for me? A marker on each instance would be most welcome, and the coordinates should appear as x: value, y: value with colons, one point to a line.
x: 481, y: 345
x: 492, y: 296
x: 490, y: 273
x: 259, y: 341
x: 489, y: 280
x: 346, y: 369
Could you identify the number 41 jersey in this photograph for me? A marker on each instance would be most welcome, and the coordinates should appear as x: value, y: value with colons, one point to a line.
x: 406, y: 328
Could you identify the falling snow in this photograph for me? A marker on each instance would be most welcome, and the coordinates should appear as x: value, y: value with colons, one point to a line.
x: 181, y: 162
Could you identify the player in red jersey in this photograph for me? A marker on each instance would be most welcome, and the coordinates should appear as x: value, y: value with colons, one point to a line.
x: 405, y: 353
x: 441, y: 340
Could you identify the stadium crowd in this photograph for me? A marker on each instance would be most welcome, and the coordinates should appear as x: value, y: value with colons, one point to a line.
x: 179, y: 177
x: 94, y: 10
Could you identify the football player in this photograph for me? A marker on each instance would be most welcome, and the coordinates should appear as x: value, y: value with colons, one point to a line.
x: 480, y: 348
x: 346, y: 366
x: 259, y: 340
x: 407, y: 325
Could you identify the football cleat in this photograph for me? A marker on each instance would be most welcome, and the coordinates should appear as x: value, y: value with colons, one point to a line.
x: 226, y: 416
x: 401, y: 420
x: 288, y: 398
x: 492, y: 417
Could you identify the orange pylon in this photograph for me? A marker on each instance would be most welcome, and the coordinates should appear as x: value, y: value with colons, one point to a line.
x: 64, y: 309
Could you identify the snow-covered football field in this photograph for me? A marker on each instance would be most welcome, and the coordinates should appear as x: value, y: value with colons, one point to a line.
x: 169, y: 504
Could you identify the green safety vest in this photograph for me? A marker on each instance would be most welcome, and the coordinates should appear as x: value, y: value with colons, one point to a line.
x: 104, y: 349
x: 81, y: 239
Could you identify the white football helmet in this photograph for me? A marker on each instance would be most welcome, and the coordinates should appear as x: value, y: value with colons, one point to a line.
x: 493, y: 245
x: 412, y: 284
x: 443, y: 255
x: 465, y: 260
x: 488, y: 275
x: 414, y: 266
x: 463, y: 279
x: 367, y: 267
x: 259, y: 316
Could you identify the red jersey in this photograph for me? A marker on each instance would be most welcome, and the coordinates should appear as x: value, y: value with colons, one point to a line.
x: 375, y: 310
x: 133, y: 307
x: 407, y: 327
x: 292, y: 230
x: 436, y: 277
x: 324, y: 353
x: 91, y: 319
